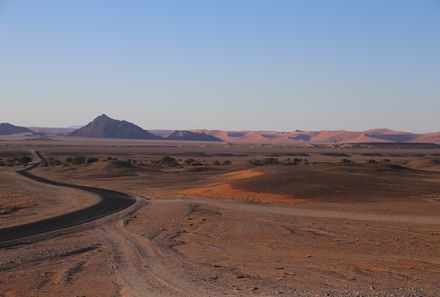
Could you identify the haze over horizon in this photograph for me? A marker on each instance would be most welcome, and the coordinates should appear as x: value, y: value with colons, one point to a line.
x: 227, y: 65
x: 178, y: 129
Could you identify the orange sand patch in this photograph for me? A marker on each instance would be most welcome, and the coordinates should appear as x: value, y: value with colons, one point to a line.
x: 241, y: 174
x: 376, y: 268
x: 224, y: 189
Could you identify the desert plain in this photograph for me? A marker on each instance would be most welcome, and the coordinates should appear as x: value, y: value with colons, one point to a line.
x: 218, y: 219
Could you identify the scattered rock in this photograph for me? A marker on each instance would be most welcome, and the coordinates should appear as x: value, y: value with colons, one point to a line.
x: 241, y: 276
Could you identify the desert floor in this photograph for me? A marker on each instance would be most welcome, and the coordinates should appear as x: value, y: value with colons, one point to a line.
x: 225, y: 220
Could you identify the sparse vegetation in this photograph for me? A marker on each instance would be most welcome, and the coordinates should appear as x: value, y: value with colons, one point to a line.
x: 346, y: 161
x: 25, y: 160
x: 189, y: 161
x: 78, y: 160
x: 16, y: 161
x: 276, y: 161
x: 92, y: 160
x: 169, y: 161
x: 54, y: 162
x: 331, y: 154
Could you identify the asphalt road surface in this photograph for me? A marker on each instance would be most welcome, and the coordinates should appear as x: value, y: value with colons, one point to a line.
x: 110, y: 202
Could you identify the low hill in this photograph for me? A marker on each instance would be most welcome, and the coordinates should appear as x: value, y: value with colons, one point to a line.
x: 8, y: 129
x: 192, y: 136
x: 105, y: 127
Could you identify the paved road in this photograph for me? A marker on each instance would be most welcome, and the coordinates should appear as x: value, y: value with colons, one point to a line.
x: 110, y: 202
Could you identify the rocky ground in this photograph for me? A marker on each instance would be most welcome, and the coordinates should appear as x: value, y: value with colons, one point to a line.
x: 324, y: 229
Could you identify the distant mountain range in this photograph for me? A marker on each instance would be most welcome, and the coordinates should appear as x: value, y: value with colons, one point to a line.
x: 189, y: 135
x: 8, y: 129
x: 106, y: 127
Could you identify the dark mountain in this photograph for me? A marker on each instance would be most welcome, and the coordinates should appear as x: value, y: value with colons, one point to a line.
x: 192, y: 136
x: 8, y: 129
x: 105, y: 127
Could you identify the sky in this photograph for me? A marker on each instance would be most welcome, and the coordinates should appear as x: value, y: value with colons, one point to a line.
x: 222, y: 64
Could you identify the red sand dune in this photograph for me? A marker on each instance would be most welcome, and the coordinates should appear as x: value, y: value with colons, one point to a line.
x: 324, y: 137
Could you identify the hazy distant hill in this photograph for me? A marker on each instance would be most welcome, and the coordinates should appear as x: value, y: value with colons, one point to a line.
x: 105, y: 127
x: 192, y: 136
x: 323, y: 137
x: 8, y: 129
x: 162, y: 133
x: 48, y: 131
x: 429, y: 137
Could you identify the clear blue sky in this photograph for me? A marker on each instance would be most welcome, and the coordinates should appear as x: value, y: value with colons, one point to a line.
x: 222, y: 64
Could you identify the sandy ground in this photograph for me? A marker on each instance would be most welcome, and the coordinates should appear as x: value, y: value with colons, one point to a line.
x: 23, y: 200
x: 325, y: 229
x: 221, y: 248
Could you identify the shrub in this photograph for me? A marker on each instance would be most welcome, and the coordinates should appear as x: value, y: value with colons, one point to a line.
x: 25, y: 159
x: 69, y: 160
x: 289, y: 162
x: 54, y: 162
x: 227, y: 162
x: 256, y: 162
x: 271, y: 161
x: 78, y: 160
x: 169, y: 161
x: 189, y: 161
x: 92, y: 159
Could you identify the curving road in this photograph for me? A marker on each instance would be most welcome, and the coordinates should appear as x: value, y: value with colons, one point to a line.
x: 110, y: 202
